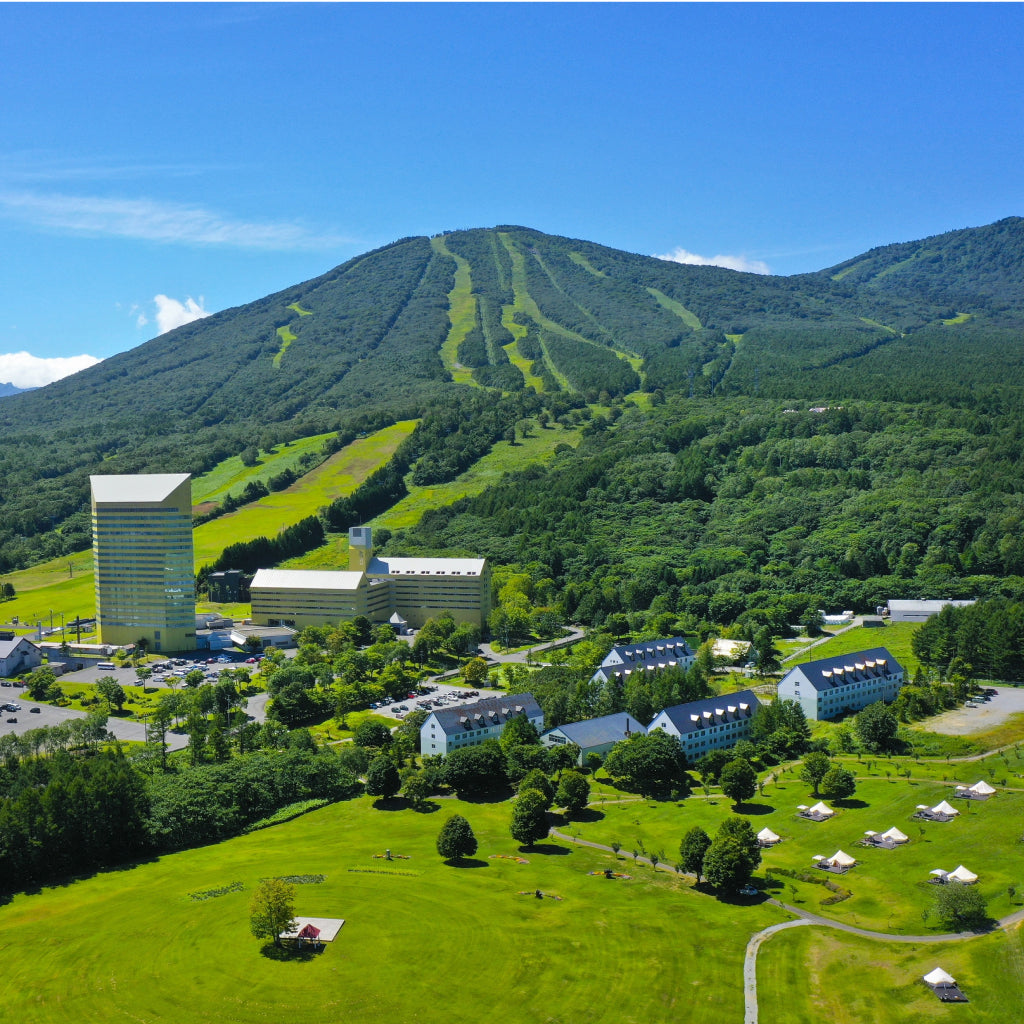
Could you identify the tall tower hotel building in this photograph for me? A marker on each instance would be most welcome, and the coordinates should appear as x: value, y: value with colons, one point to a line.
x: 142, y: 555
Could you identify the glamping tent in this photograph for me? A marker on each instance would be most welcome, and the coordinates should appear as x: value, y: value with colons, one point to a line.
x: 894, y: 835
x: 842, y: 860
x: 939, y: 977
x: 819, y: 812
x: 822, y: 808
x: 945, y: 809
x: 961, y: 874
x: 766, y: 837
x: 982, y: 790
x: 944, y: 986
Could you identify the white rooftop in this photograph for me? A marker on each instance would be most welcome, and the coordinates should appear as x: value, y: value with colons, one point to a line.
x: 136, y: 487
x: 426, y: 566
x: 306, y: 579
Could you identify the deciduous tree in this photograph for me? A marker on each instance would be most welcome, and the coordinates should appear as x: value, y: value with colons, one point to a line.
x: 272, y: 909
x: 456, y: 839
x: 529, y: 817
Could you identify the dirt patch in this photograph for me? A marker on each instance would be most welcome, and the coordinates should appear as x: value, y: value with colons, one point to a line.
x: 987, y: 715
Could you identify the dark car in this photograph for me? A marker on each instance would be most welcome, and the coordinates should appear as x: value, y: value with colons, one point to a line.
x: 34, y: 711
x: 12, y: 720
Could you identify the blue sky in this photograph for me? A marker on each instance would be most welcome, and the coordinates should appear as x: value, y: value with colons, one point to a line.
x: 161, y: 161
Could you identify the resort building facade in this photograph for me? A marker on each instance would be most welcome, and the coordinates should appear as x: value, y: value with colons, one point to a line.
x: 379, y: 588
x: 846, y: 682
x: 468, y: 725
x: 142, y: 556
x: 703, y: 725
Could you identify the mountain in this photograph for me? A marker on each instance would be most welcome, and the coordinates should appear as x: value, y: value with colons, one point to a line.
x: 417, y: 323
x: 10, y: 389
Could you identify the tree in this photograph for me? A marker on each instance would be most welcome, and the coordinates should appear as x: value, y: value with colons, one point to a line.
x: 456, y: 839
x: 526, y: 758
x: 272, y: 909
x: 474, y: 672
x: 839, y: 783
x: 814, y: 768
x: 738, y: 780
x: 416, y: 788
x: 529, y: 817
x: 877, y: 727
x: 41, y: 684
x: 536, y: 779
x: 767, y: 653
x: 195, y: 677
x: 372, y: 734
x: 651, y: 763
x: 727, y: 865
x: 573, y: 792
x: 253, y: 644
x: 382, y: 778
x: 518, y: 731
x: 693, y: 849
x: 960, y: 906
x: 742, y: 831
x: 475, y: 769
x: 109, y: 688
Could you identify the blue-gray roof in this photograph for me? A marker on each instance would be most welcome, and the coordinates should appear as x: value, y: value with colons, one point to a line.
x: 698, y: 714
x: 595, y: 731
x: 485, y: 712
x: 671, y: 649
x: 840, y: 669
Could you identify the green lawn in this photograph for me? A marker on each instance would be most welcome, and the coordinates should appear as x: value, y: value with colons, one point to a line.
x: 341, y: 474
x: 461, y: 315
x: 816, y: 974
x: 503, y: 458
x: 232, y: 475
x: 132, y: 944
x: 890, y: 888
x: 896, y: 636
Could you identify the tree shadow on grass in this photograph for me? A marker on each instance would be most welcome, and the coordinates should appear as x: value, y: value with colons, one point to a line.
x: 587, y: 815
x: 426, y: 807
x: 548, y: 851
x: 489, y: 796
x: 290, y: 952
x: 391, y: 803
x: 746, y: 808
x: 467, y: 862
x: 851, y: 805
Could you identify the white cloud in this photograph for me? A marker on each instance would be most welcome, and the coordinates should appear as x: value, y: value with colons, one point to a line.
x: 155, y: 221
x: 681, y: 255
x: 24, y: 370
x: 171, y: 313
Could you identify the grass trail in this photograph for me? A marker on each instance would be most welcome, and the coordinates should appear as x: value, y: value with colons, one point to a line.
x: 461, y: 314
x: 688, y: 318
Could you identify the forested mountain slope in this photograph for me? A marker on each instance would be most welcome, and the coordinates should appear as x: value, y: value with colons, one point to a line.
x: 378, y: 338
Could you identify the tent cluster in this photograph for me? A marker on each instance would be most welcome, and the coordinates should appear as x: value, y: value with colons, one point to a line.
x: 959, y: 874
x: 981, y: 790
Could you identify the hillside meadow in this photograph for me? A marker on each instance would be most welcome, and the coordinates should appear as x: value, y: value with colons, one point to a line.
x: 133, y: 943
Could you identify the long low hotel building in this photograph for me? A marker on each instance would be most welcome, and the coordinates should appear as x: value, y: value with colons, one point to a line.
x: 415, y: 588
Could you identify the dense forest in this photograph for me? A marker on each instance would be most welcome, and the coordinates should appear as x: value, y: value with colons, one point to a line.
x: 705, y: 478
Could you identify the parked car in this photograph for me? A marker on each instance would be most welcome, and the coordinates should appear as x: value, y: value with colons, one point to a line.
x: 34, y: 711
x: 12, y: 720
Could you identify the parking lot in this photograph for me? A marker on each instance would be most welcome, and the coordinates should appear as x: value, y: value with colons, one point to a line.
x: 164, y: 673
x: 963, y: 721
x: 437, y: 696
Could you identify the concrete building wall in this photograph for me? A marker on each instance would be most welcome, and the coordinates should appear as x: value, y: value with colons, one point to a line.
x: 142, y: 555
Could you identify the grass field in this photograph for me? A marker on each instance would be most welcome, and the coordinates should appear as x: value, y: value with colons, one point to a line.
x: 231, y: 474
x: 503, y: 458
x: 461, y: 314
x: 341, y: 474
x: 816, y: 974
x: 890, y: 888
x: 132, y: 944
x: 896, y: 636
x: 688, y: 318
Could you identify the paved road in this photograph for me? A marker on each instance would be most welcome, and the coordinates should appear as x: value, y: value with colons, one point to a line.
x: 50, y: 715
x: 750, y: 967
